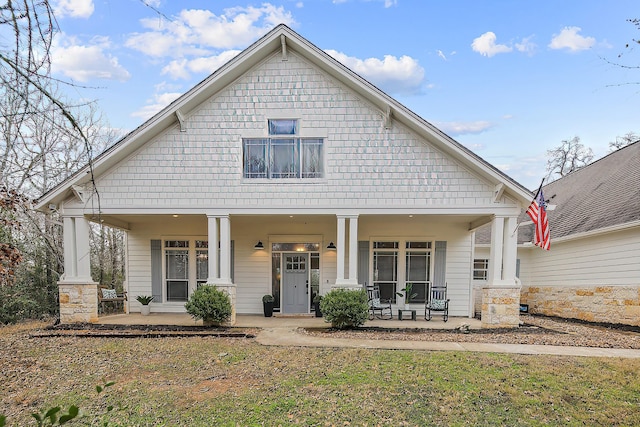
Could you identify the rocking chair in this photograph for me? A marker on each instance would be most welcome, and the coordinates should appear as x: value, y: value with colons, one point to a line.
x: 437, y: 302
x: 378, y: 308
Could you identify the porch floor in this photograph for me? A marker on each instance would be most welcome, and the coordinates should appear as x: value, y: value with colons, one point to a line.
x: 259, y: 321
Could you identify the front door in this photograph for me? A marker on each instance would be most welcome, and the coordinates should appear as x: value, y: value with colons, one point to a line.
x: 295, y: 283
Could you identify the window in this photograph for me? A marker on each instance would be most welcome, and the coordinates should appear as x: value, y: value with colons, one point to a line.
x: 283, y: 155
x: 418, y: 268
x: 177, y: 269
x: 202, y: 262
x: 480, y: 269
x: 385, y: 269
x: 283, y: 127
x: 186, y: 267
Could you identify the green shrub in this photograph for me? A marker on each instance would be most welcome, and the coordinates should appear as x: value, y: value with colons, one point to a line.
x: 345, y: 308
x: 211, y: 305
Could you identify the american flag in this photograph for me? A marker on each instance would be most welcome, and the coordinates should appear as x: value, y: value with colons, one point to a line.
x: 538, y: 213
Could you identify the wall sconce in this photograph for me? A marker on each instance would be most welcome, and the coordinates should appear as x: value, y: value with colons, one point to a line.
x: 331, y: 246
x: 259, y: 245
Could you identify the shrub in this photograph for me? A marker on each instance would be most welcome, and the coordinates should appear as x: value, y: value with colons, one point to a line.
x: 345, y: 308
x: 211, y: 305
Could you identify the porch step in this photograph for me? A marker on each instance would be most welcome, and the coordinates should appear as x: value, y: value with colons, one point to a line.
x: 294, y: 315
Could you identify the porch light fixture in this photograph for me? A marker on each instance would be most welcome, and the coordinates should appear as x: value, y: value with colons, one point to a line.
x: 331, y: 246
x: 259, y: 245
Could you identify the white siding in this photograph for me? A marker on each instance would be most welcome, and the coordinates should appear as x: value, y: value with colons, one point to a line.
x: 366, y: 165
x: 609, y: 259
x: 252, y: 269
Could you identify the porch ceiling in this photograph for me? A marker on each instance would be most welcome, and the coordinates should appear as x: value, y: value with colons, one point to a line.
x: 129, y: 221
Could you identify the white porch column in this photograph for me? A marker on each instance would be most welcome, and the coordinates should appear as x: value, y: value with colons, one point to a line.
x: 494, y: 275
x: 509, y: 250
x: 212, y: 224
x: 352, y: 280
x: 340, y: 239
x: 69, y: 242
x: 76, y: 289
x: 220, y: 274
x: 353, y: 250
x: 225, y: 250
x: 501, y: 294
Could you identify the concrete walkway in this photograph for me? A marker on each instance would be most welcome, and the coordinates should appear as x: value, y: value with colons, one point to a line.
x: 283, y: 331
x: 291, y: 337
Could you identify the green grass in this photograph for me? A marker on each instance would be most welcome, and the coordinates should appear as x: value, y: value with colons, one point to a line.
x: 213, y: 381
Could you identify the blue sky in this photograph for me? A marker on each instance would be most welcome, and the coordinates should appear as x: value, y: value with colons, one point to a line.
x: 508, y: 79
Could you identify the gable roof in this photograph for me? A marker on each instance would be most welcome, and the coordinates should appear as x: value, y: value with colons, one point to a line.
x: 604, y: 194
x: 283, y: 39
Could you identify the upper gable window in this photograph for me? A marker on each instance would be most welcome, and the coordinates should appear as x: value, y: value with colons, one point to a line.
x: 283, y: 127
x: 283, y: 155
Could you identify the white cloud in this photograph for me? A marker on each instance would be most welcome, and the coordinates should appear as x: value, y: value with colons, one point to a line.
x: 441, y: 55
x: 394, y: 75
x: 196, y: 31
x: 182, y: 68
x: 73, y: 8
x: 83, y: 62
x: 486, y: 45
x: 571, y: 40
x: 463, y: 128
x: 526, y: 46
x: 156, y: 104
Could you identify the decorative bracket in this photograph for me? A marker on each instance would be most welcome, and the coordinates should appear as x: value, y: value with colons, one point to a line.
x: 387, y: 118
x: 79, y: 192
x: 498, y: 190
x: 181, y: 120
x: 283, y: 42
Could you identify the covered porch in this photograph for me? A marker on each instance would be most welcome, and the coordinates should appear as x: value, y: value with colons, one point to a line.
x: 294, y: 255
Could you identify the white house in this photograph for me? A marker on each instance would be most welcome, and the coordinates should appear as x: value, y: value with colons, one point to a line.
x: 592, y: 271
x: 269, y: 163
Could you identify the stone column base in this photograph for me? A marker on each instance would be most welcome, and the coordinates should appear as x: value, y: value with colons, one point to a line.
x: 347, y: 284
x: 230, y: 289
x: 78, y: 302
x: 500, y: 307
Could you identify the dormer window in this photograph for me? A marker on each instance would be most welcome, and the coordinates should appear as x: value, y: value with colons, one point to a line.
x: 283, y: 154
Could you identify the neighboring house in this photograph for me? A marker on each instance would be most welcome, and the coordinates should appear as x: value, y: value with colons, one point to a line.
x: 286, y: 173
x: 592, y: 271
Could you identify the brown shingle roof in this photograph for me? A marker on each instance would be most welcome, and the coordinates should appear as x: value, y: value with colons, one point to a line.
x: 603, y: 194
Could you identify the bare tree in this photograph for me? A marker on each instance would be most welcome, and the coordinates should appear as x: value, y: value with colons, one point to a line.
x: 623, y: 141
x: 571, y: 155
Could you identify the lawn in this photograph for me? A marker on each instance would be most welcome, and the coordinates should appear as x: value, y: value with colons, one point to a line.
x: 224, y: 381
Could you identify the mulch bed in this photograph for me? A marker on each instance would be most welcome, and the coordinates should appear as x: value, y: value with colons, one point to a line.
x: 534, y: 330
x: 90, y: 330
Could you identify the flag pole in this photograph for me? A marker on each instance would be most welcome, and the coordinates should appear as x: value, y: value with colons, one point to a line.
x: 534, y: 198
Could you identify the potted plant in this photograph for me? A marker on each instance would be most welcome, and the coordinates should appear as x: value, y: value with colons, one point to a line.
x: 316, y: 305
x: 267, y: 305
x: 144, y: 300
x: 406, y: 293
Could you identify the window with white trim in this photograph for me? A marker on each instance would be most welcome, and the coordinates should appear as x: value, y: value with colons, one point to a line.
x: 480, y: 269
x: 186, y: 264
x: 283, y: 154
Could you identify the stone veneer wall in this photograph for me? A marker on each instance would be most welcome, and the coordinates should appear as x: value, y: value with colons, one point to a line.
x: 500, y: 307
x: 608, y: 304
x: 78, y: 302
